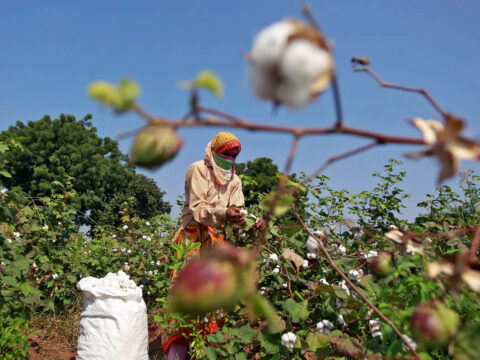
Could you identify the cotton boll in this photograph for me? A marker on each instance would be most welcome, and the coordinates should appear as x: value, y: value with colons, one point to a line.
x: 270, y: 43
x: 263, y: 82
x: 244, y: 212
x: 304, y: 61
x: 328, y: 324
x: 293, y: 94
x: 289, y: 340
x: 312, y: 244
x: 340, y: 319
x: 273, y: 257
x: 323, y: 281
x: 320, y: 326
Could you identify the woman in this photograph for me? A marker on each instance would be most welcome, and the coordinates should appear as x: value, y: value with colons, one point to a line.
x: 213, y: 197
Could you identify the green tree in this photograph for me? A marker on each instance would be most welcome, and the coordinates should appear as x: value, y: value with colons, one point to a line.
x: 140, y: 195
x: 259, y: 176
x: 69, y: 151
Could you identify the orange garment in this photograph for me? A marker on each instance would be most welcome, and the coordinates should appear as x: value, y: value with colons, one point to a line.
x: 193, y: 233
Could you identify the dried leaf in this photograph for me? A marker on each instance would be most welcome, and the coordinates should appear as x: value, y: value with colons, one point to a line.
x: 437, y: 268
x: 472, y: 279
x: 346, y: 346
x: 290, y: 255
x: 444, y: 142
x: 457, y: 267
x: 407, y: 242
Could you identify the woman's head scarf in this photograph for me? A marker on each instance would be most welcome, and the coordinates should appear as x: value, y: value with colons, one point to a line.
x: 221, y: 143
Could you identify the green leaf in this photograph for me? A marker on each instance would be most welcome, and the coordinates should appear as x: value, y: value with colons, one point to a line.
x: 3, y: 147
x: 425, y: 356
x: 269, y: 342
x: 216, y: 338
x: 26, y: 288
x: 210, y: 353
x: 245, y: 333
x: 207, y: 79
x: 299, y: 311
x: 128, y: 89
x: 241, y: 356
x: 316, y: 341
x: 264, y: 310
x: 9, y: 280
x: 43, y: 259
x: 5, y: 173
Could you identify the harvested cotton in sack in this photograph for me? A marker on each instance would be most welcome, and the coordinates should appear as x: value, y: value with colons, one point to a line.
x: 113, y: 322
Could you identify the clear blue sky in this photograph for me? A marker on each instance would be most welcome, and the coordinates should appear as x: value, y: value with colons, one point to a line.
x: 51, y: 50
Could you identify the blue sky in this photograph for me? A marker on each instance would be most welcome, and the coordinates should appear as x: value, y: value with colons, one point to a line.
x: 50, y: 51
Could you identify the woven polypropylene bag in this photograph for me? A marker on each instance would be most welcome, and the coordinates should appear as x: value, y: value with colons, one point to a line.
x: 113, y: 322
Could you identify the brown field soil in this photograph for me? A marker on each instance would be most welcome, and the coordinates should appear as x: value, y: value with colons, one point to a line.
x: 55, y: 338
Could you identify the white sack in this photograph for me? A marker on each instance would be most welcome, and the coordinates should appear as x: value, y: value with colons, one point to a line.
x: 113, y: 322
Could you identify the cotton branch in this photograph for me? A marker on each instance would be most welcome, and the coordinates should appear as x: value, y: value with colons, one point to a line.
x: 352, y: 285
x: 475, y: 243
x: 231, y: 121
x: 339, y: 157
x: 400, y: 87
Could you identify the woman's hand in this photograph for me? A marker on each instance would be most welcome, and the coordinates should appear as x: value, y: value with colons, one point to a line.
x: 235, y: 216
x: 259, y: 225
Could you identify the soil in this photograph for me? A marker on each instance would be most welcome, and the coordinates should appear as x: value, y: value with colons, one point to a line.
x: 51, y: 345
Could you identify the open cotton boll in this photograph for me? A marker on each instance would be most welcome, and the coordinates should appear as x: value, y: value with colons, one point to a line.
x: 269, y: 43
x: 244, y: 212
x: 263, y: 82
x: 304, y: 61
x: 293, y: 94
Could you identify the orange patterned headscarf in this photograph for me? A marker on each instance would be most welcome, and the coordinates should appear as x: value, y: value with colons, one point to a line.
x: 221, y: 143
x: 224, y: 141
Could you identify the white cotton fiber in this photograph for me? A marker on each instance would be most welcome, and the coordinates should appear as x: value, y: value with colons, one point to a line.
x: 293, y: 94
x: 269, y: 44
x: 263, y: 81
x: 304, y: 61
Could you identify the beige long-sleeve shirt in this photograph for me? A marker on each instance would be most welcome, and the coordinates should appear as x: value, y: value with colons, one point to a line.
x: 205, y: 201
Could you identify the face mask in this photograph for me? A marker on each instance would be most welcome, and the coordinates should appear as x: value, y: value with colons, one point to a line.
x: 223, y: 161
